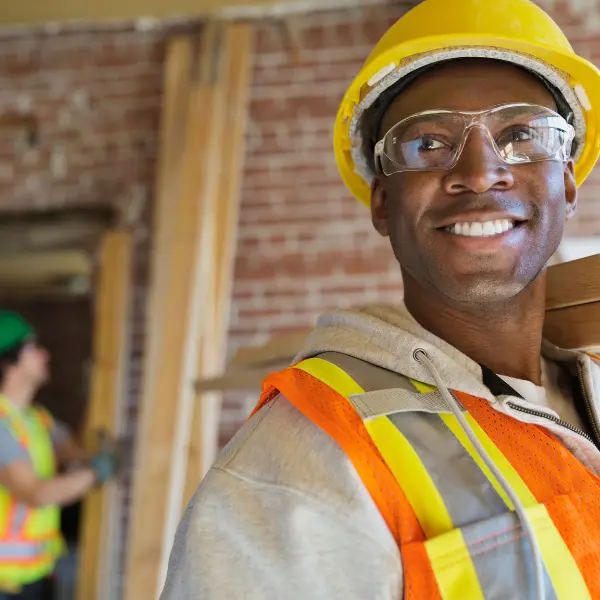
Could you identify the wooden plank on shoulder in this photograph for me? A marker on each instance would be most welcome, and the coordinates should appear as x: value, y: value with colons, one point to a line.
x: 574, y: 327
x: 573, y: 283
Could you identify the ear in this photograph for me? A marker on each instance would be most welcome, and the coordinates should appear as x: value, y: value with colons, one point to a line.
x: 571, y: 193
x: 379, y: 209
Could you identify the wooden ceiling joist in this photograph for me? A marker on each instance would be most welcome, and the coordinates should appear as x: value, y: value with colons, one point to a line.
x: 30, y: 13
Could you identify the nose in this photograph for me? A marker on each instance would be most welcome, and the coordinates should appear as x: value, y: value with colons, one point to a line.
x: 478, y: 169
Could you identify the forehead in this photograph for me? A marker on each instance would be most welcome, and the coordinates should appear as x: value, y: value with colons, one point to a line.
x: 473, y: 84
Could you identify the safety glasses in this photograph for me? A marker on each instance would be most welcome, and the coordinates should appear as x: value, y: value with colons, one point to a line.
x: 434, y: 140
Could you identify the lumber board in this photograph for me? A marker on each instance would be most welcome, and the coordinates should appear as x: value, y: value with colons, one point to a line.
x: 242, y: 379
x: 168, y: 392
x: 145, y: 543
x: 279, y: 347
x: 574, y: 327
x: 112, y: 310
x: 221, y: 215
x: 573, y: 283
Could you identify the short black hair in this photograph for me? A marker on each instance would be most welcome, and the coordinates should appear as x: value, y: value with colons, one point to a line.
x: 9, y: 358
x: 373, y: 116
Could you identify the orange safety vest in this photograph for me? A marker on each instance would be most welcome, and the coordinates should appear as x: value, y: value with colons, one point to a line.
x: 456, y: 529
x: 30, y: 538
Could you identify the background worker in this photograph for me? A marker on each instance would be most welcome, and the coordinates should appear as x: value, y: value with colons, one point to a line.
x: 429, y: 449
x: 32, y: 449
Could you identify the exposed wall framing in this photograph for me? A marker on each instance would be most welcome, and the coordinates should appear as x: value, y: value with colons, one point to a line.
x: 196, y: 219
x: 221, y: 224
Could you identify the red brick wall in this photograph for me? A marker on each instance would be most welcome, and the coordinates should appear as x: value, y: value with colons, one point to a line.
x: 304, y: 244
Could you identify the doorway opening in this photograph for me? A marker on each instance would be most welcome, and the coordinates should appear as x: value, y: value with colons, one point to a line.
x: 47, y: 274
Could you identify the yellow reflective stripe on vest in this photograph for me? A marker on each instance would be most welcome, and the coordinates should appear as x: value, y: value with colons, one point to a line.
x: 337, y: 379
x: 453, y: 567
x: 398, y: 454
x: 412, y: 476
x: 562, y: 569
x: 421, y: 492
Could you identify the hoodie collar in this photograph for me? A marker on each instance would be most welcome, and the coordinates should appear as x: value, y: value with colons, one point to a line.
x: 388, y: 336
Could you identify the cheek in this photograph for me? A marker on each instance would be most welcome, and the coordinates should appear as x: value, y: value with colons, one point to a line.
x: 409, y: 196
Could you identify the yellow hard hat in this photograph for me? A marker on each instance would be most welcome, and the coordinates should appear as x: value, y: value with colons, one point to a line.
x: 515, y: 31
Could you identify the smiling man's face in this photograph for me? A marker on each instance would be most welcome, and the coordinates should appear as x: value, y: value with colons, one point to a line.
x: 415, y: 208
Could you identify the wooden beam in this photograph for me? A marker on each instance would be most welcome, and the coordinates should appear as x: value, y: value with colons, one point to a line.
x: 574, y: 327
x: 145, y: 552
x: 221, y: 215
x: 168, y: 391
x: 573, y: 304
x: 34, y: 269
x: 112, y: 310
x: 573, y: 283
x: 22, y: 13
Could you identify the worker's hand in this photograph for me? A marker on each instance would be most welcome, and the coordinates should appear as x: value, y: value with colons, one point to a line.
x: 106, y: 463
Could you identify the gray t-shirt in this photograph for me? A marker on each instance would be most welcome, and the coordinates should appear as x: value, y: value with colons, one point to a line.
x: 10, y: 448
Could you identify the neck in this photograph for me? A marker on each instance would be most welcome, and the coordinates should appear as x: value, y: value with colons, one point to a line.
x: 506, y: 337
x: 21, y: 394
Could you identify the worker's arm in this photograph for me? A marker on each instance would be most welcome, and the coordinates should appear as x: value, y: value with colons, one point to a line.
x: 283, y: 514
x: 19, y: 478
x: 66, y: 448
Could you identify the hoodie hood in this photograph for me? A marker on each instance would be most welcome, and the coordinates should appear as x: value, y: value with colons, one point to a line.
x: 389, y: 336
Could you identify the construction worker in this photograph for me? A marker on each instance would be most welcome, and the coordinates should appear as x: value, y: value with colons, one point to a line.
x: 32, y: 447
x: 438, y: 448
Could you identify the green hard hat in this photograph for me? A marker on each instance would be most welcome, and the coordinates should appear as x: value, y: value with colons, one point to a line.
x: 14, y: 330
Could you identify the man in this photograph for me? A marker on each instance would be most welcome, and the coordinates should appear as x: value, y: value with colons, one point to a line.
x: 32, y: 446
x: 439, y: 448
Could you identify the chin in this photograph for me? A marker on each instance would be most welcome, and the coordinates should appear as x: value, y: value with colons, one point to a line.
x: 481, y: 290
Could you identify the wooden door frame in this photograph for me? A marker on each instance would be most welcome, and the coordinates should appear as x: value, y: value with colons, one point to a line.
x: 100, y: 525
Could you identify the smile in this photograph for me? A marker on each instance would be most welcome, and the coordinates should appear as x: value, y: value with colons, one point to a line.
x: 482, y: 229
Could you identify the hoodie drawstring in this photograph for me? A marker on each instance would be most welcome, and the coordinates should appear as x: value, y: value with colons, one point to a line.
x: 421, y: 356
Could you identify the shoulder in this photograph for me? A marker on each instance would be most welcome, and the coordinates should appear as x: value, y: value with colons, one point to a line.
x: 279, y: 448
x: 11, y: 448
x: 44, y: 416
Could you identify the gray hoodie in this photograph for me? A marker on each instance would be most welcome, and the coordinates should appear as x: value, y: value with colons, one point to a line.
x: 282, y: 514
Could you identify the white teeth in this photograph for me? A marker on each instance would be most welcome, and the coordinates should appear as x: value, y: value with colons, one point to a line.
x: 489, y: 228
x: 486, y: 229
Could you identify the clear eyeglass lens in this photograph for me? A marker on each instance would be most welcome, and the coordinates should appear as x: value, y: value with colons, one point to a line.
x: 431, y: 141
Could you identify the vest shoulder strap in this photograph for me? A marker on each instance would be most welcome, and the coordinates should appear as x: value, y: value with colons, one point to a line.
x: 320, y: 389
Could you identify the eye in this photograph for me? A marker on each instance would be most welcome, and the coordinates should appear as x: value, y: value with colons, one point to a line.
x: 520, y: 133
x: 430, y: 143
